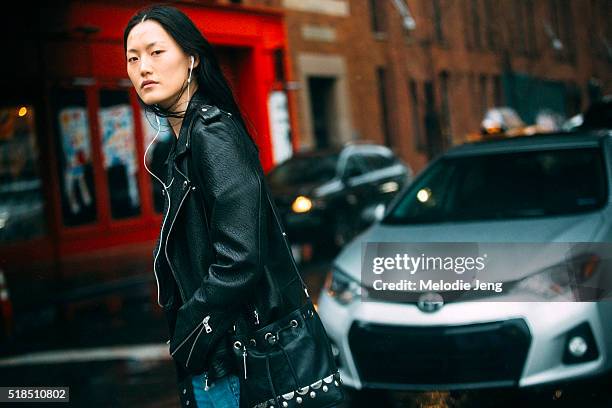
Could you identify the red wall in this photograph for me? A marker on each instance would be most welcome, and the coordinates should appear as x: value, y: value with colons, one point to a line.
x: 108, y: 249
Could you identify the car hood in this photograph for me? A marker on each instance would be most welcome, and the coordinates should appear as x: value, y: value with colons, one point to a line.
x: 518, y: 261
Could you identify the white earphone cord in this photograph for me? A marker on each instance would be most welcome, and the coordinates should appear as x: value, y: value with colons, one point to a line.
x: 159, y: 128
x: 145, y: 156
x: 189, y: 79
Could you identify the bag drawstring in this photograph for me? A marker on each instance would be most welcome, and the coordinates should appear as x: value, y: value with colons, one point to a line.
x: 293, y: 373
x: 276, y: 398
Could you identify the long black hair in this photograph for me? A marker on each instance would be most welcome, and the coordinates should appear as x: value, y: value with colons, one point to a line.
x: 208, y: 73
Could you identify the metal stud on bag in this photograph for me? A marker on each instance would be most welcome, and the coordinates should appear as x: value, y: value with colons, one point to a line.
x: 270, y: 338
x: 332, y: 379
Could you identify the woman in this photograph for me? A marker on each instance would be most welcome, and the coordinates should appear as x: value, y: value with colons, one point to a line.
x: 208, y: 257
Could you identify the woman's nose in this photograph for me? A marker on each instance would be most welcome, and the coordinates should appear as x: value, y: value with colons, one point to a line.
x: 145, y: 66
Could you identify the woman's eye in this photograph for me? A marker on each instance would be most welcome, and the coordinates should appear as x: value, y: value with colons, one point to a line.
x: 131, y: 59
x: 158, y: 51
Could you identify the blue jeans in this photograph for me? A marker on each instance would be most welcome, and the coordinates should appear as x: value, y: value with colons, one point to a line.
x: 223, y: 393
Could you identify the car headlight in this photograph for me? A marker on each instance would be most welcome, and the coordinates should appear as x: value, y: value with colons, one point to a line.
x: 560, y: 280
x: 342, y: 287
x: 301, y: 204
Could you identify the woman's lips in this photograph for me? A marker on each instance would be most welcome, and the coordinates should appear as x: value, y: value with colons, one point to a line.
x: 149, y: 85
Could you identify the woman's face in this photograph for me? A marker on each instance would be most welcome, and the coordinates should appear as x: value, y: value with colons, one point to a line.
x: 156, y: 65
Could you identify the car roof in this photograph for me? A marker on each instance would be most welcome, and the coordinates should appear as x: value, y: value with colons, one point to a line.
x: 354, y: 146
x: 317, y: 152
x: 533, y: 142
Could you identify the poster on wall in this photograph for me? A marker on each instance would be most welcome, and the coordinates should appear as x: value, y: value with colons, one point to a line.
x: 117, y: 136
x: 74, y: 129
x: 118, y: 146
x: 280, y: 126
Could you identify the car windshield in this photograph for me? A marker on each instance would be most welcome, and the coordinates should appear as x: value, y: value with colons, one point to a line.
x: 305, y: 169
x: 509, y: 185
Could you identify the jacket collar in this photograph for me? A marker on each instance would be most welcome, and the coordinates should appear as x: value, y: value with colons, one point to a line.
x: 195, y: 103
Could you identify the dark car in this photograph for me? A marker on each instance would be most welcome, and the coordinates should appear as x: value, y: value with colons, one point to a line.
x: 324, y: 197
x: 599, y: 115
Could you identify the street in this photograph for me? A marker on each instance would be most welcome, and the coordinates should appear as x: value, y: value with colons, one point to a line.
x: 120, y: 360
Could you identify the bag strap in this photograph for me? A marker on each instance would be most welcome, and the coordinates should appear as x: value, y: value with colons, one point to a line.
x: 278, y: 223
x: 284, y: 234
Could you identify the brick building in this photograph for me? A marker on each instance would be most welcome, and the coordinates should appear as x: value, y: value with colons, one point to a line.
x: 418, y: 75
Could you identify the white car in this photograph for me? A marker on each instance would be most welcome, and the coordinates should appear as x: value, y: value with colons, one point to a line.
x: 553, y: 188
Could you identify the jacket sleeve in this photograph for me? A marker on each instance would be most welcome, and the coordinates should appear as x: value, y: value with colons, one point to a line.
x: 227, y: 167
x: 227, y: 170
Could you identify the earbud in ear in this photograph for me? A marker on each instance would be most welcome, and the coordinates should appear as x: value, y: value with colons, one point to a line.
x: 190, y: 69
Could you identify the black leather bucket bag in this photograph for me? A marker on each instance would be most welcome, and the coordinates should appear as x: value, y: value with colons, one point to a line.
x: 289, y: 362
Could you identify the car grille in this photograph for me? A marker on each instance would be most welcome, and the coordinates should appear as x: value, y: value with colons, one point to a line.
x: 401, y: 357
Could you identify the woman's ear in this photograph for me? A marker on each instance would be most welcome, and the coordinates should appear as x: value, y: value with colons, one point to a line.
x: 196, y: 61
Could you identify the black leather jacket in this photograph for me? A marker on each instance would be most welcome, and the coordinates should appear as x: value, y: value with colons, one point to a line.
x: 221, y: 252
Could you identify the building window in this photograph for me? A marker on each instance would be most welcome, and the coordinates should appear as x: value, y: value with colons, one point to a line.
x: 279, y: 65
x: 491, y: 24
x: 532, y: 41
x: 568, y: 28
x: 117, y: 139
x: 445, y: 108
x: 476, y: 24
x: 437, y: 17
x: 524, y: 21
x: 435, y: 144
x: 417, y: 134
x: 381, y: 74
x: 497, y: 91
x: 519, y: 26
x: 76, y: 171
x: 22, y: 206
x: 482, y: 88
x: 378, y: 17
x: 601, y: 32
x: 562, y: 27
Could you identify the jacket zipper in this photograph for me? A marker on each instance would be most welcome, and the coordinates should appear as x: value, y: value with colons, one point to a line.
x: 206, y: 326
x: 208, y: 330
x: 193, y: 346
x: 186, y: 338
x: 159, y: 248
x: 256, y: 316
x: 166, y: 245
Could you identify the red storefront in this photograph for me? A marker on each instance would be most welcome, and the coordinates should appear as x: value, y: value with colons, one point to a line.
x: 91, y: 212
